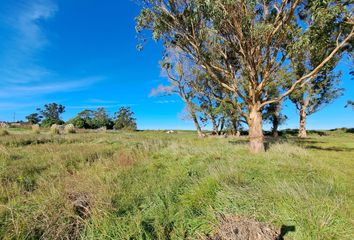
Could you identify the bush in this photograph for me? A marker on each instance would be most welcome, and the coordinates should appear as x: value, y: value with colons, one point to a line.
x: 4, y: 132
x: 54, y: 129
x: 69, y: 129
x: 36, y: 129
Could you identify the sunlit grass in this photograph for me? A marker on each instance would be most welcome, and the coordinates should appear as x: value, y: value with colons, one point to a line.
x: 151, y: 185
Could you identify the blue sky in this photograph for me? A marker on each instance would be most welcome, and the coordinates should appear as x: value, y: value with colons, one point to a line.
x: 83, y: 54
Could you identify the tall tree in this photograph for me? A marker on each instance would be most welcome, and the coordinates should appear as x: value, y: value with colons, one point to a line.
x: 34, y: 118
x: 101, y: 118
x: 210, y: 99
x: 83, y: 119
x: 272, y: 114
x: 317, y: 93
x: 244, y: 44
x: 182, y: 73
x: 51, y: 114
x: 124, y: 119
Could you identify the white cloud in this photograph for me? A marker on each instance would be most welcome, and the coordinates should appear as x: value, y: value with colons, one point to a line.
x: 22, y: 73
x: 33, y: 90
x: 162, y: 90
x: 25, y: 39
x: 98, y: 106
x: 165, y: 101
x: 101, y: 101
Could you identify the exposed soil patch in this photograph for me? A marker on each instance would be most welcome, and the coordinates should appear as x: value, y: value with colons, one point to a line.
x: 81, y: 204
x: 238, y: 228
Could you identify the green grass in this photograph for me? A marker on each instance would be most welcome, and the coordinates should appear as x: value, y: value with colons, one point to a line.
x: 151, y: 185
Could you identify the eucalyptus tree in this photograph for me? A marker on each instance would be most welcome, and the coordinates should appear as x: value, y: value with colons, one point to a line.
x: 272, y: 114
x: 101, y: 119
x: 182, y: 73
x: 51, y: 114
x: 83, y: 119
x: 124, y: 119
x: 210, y: 101
x: 316, y: 94
x: 34, y: 118
x: 244, y: 44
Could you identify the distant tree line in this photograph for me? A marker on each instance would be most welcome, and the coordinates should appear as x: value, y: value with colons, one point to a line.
x: 51, y: 113
x: 235, y: 62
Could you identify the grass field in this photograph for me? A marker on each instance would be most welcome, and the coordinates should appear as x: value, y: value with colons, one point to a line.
x: 151, y: 185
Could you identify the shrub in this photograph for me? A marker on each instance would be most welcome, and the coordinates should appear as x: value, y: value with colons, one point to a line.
x: 54, y: 129
x: 70, y: 128
x: 4, y: 132
x: 36, y: 129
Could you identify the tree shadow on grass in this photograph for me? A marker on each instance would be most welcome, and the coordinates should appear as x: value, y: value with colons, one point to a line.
x: 334, y: 149
x: 284, y: 230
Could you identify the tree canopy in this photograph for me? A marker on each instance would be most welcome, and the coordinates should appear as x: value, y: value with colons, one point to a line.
x: 51, y: 114
x: 124, y: 119
x: 245, y: 45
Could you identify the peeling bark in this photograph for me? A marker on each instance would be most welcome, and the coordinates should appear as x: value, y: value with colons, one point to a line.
x: 302, y: 129
x: 255, y: 123
x: 196, y: 123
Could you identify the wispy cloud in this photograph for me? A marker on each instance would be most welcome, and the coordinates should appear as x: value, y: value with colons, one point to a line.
x: 23, y: 72
x: 7, y: 106
x: 36, y: 89
x: 25, y: 39
x: 162, y: 90
x: 165, y: 101
x: 98, y: 106
x: 101, y: 101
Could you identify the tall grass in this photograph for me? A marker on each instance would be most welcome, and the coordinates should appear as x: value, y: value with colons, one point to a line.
x: 152, y: 185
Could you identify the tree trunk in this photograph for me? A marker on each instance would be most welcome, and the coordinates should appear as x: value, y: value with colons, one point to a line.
x: 222, y: 125
x: 255, y: 124
x: 302, y: 129
x: 215, y: 125
x: 235, y: 130
x: 275, y: 133
x: 196, y: 123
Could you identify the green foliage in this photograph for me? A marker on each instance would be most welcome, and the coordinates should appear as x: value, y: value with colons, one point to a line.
x: 51, y: 114
x: 89, y: 119
x: 245, y: 46
x: 318, y: 92
x: 34, y: 118
x: 124, y: 119
x: 101, y: 119
x: 83, y: 120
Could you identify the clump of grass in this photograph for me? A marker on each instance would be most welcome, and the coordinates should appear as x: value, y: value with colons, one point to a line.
x: 4, y: 125
x: 36, y: 129
x: 69, y: 129
x: 4, y: 132
x: 287, y: 150
x: 54, y: 129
